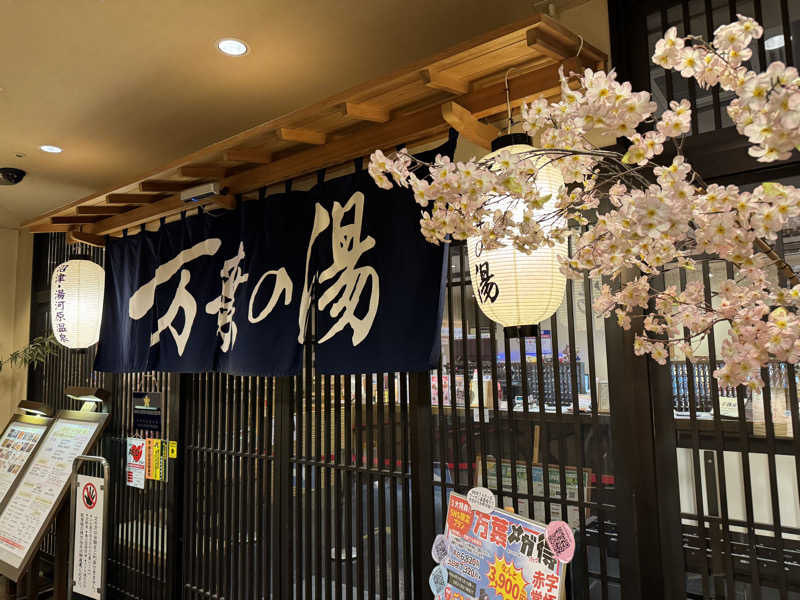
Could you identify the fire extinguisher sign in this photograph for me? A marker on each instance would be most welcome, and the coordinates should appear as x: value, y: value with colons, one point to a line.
x: 87, y: 570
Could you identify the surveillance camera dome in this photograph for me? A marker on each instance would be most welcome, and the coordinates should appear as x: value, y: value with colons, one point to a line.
x: 11, y: 176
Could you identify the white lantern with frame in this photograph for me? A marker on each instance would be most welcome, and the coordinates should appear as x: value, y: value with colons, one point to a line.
x: 515, y: 289
x: 76, y: 302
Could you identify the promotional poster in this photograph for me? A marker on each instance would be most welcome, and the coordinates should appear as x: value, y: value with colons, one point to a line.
x: 492, y: 554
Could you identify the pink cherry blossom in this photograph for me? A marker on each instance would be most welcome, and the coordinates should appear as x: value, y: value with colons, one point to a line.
x: 640, y: 217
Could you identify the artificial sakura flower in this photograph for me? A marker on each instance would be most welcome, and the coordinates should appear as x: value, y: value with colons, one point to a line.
x: 639, y: 216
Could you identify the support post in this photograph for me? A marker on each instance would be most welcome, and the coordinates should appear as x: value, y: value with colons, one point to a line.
x: 282, y: 579
x: 422, y: 506
x: 641, y: 446
x: 62, y: 574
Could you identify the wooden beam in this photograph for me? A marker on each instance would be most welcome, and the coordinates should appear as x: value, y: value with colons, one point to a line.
x: 202, y: 171
x: 486, y: 56
x: 439, y: 80
x: 250, y: 155
x: 467, y: 125
x: 144, y: 214
x: 74, y: 220
x: 365, y: 112
x: 132, y: 198
x: 541, y: 41
x: 79, y: 237
x: 303, y: 136
x: 421, y: 125
x: 49, y: 228
x: 100, y: 210
x: 554, y: 34
x: 155, y: 185
x: 407, y: 129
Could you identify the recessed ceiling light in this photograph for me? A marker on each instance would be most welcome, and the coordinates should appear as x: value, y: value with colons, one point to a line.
x: 232, y: 47
x: 51, y: 149
x: 775, y: 42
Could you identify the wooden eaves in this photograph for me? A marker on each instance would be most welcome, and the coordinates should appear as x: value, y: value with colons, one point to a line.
x: 457, y: 88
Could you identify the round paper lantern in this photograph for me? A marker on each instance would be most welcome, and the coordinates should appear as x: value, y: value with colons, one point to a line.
x: 76, y: 302
x: 513, y: 288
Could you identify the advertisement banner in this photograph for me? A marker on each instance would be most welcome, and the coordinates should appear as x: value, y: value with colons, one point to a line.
x: 494, y: 554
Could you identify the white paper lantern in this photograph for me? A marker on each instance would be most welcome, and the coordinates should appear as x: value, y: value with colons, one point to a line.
x: 513, y: 288
x: 76, y: 302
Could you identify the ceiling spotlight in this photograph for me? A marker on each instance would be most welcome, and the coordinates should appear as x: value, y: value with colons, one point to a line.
x: 775, y: 42
x: 51, y: 149
x: 232, y: 47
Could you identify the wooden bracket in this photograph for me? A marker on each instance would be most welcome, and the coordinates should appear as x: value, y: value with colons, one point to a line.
x: 444, y: 82
x: 302, y: 136
x: 551, y: 38
x: 227, y: 201
x: 463, y: 121
x: 365, y: 112
x: 90, y: 239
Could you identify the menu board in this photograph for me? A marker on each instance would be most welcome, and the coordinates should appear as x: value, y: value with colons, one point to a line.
x: 16, y: 445
x: 34, y: 499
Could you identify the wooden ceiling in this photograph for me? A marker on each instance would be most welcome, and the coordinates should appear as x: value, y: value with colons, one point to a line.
x: 454, y: 88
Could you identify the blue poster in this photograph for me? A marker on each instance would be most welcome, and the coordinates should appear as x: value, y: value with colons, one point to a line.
x: 497, y: 555
x: 236, y: 291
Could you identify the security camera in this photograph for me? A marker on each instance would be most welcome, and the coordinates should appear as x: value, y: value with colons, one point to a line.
x: 11, y: 176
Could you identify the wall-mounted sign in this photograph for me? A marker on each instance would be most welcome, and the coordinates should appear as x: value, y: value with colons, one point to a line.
x: 33, y: 501
x: 135, y: 462
x: 87, y: 564
x: 232, y: 292
x: 147, y: 411
x: 156, y: 459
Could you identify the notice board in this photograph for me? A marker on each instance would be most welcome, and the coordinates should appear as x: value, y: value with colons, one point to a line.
x: 18, y: 442
x: 30, y: 507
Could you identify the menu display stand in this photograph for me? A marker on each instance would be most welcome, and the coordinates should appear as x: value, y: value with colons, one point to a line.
x: 18, y: 442
x: 28, y: 509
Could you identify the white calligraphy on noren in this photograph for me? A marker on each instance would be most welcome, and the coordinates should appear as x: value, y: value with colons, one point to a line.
x: 223, y: 305
x: 143, y: 299
x: 347, y: 284
x: 347, y: 248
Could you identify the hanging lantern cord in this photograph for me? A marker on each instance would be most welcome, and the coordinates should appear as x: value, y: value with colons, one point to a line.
x: 508, y: 99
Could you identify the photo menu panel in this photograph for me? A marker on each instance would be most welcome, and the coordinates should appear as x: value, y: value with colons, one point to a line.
x: 18, y: 442
x: 40, y: 487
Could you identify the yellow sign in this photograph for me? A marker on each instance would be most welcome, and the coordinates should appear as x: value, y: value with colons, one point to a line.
x: 153, y: 459
x: 173, y: 449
